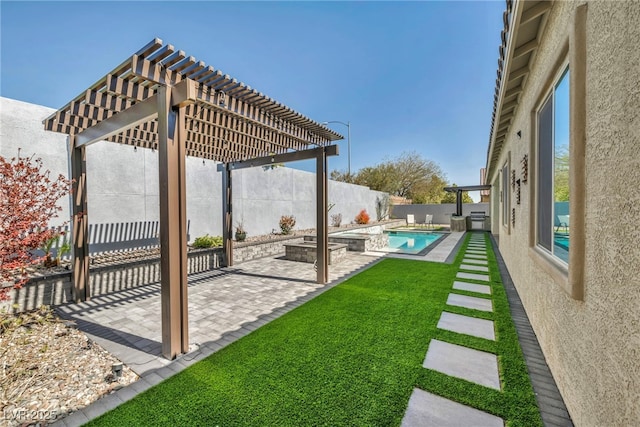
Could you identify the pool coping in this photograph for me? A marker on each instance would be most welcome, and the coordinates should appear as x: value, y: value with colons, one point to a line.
x: 444, y: 252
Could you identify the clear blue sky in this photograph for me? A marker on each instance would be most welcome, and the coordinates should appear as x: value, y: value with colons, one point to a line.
x: 408, y: 75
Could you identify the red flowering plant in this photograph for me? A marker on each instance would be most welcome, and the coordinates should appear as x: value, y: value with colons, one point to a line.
x: 362, y: 217
x: 28, y: 200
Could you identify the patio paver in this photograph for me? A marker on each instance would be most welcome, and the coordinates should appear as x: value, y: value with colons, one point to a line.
x: 476, y: 251
x: 475, y: 261
x: 426, y: 409
x: 473, y: 276
x: 472, y: 287
x: 481, y: 328
x: 474, y: 303
x: 461, y: 362
x: 475, y: 256
x: 474, y: 267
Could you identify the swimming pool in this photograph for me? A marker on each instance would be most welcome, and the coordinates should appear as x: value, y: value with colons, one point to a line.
x: 411, y: 242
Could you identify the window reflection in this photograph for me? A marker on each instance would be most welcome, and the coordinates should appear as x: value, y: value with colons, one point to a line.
x: 561, y: 168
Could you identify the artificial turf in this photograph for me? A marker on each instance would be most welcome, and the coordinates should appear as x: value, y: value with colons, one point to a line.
x: 351, y: 356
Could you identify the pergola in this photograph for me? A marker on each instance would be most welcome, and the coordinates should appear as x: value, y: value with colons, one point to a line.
x: 162, y: 99
x: 460, y: 190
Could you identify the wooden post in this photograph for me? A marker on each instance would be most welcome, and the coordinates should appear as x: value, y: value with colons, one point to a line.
x: 79, y: 223
x: 227, y: 215
x: 173, y: 244
x: 322, y: 247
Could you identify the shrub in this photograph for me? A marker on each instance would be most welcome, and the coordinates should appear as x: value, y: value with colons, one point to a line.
x: 207, y: 241
x: 382, y: 207
x: 29, y: 200
x: 287, y: 222
x: 362, y: 217
x: 336, y: 220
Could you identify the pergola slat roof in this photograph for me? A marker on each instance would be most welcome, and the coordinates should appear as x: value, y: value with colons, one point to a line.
x: 229, y: 121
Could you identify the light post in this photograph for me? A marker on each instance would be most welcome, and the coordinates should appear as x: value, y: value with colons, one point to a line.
x: 348, y: 125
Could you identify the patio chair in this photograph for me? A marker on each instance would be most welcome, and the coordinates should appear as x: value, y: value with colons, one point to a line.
x: 411, y: 221
x: 562, y: 221
x: 429, y: 221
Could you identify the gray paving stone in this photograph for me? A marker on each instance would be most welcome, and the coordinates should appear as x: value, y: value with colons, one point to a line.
x: 480, y: 328
x: 475, y: 261
x: 427, y: 409
x: 474, y: 267
x: 472, y: 287
x: 475, y: 256
x: 474, y: 303
x: 461, y: 362
x: 473, y: 276
x: 475, y: 251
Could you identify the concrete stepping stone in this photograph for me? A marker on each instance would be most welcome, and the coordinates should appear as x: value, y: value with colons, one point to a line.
x: 473, y: 276
x: 475, y: 261
x: 472, y: 287
x: 475, y: 256
x: 475, y: 251
x: 474, y: 267
x: 427, y: 409
x: 474, y: 303
x: 476, y: 247
x: 481, y: 328
x: 461, y: 362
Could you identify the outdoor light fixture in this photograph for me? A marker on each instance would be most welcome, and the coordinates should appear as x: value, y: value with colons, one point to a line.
x: 116, y: 368
x: 519, y: 133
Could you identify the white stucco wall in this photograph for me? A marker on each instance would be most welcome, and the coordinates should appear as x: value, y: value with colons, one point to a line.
x: 123, y: 183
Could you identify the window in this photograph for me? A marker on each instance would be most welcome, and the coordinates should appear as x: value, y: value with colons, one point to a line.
x: 552, y: 216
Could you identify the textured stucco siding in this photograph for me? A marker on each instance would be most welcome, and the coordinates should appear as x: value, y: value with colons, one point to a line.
x: 592, y: 346
x: 123, y: 183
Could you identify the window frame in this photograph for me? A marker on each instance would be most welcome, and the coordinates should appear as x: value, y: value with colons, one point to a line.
x: 549, y: 100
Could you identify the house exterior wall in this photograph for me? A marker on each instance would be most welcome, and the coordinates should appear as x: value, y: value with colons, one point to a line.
x: 123, y: 182
x: 591, y: 342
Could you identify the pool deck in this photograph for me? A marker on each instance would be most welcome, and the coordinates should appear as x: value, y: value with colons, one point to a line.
x: 229, y: 303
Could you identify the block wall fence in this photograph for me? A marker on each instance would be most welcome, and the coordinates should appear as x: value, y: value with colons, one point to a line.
x: 123, y: 182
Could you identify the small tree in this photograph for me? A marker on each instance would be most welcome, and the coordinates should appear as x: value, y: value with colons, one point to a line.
x: 28, y: 200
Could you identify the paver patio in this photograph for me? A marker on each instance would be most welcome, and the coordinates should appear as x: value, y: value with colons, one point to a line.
x: 223, y: 304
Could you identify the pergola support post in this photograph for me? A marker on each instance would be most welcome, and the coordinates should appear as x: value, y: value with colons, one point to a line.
x: 227, y: 215
x: 322, y: 247
x: 173, y: 245
x: 80, y: 222
x: 459, y: 203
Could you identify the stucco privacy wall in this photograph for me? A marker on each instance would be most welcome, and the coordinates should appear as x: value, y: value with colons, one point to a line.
x: 123, y: 182
x: 592, y: 346
x: 441, y: 213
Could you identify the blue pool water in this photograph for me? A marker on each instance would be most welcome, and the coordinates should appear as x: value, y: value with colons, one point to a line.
x: 409, y: 242
x: 561, y: 240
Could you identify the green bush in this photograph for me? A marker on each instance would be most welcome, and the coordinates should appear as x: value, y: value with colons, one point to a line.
x: 207, y: 241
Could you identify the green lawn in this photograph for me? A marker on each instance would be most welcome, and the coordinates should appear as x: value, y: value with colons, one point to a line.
x: 351, y: 356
